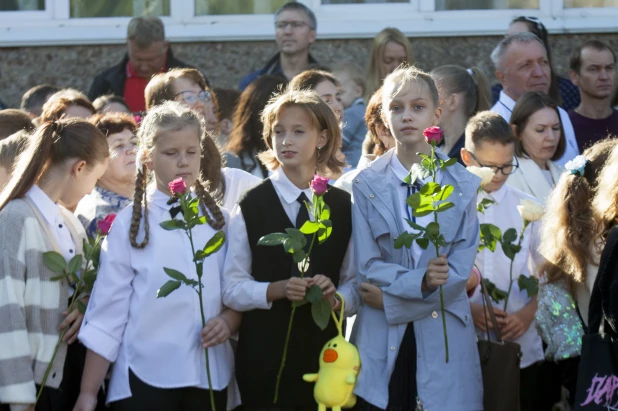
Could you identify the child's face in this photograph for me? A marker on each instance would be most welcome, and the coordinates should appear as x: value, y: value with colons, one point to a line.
x: 176, y: 154
x: 490, y: 154
x: 188, y: 92
x: 329, y: 94
x: 82, y: 180
x: 410, y: 112
x: 5, y: 176
x: 295, y: 138
x: 350, y: 91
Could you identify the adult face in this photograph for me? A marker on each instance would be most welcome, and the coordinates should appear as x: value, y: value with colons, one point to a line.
x: 394, y: 54
x: 294, y: 32
x: 525, y: 67
x: 147, y: 61
x: 597, y: 74
x: 121, y: 169
x: 541, y: 135
x: 190, y: 93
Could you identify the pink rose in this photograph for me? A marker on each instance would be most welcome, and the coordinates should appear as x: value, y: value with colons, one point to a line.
x: 319, y: 185
x: 433, y: 135
x: 178, y: 186
x: 106, y: 224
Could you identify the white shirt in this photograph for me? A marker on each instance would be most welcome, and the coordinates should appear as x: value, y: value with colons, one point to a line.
x: 158, y: 338
x: 496, y: 266
x: 237, y: 181
x: 400, y: 172
x: 57, y: 226
x: 504, y: 106
x: 240, y: 290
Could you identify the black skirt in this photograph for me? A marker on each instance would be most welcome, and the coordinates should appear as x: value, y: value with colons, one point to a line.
x: 402, y: 389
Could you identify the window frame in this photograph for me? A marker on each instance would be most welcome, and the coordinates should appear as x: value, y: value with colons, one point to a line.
x: 418, y: 18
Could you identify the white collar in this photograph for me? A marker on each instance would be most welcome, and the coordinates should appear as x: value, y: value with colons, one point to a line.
x: 49, y: 209
x: 400, y: 171
x: 159, y: 198
x: 497, y: 195
x: 506, y: 101
x: 287, y: 189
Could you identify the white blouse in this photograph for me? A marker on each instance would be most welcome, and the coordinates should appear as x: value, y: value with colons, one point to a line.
x: 237, y: 182
x: 157, y: 338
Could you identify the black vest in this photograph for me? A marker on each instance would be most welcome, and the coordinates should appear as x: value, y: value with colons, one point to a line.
x: 262, y: 332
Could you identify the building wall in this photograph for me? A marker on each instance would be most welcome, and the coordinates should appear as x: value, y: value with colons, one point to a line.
x: 226, y: 62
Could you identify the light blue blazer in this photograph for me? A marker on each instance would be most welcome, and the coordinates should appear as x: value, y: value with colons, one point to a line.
x: 377, y: 221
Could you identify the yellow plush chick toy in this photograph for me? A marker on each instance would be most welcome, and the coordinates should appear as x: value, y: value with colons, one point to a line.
x: 335, y: 381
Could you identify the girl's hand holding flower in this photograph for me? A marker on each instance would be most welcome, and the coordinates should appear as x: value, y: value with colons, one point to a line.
x: 437, y: 273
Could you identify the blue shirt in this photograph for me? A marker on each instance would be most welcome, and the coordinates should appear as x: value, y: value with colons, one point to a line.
x: 354, y: 132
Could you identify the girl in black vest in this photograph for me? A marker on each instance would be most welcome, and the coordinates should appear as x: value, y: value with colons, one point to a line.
x: 302, y: 135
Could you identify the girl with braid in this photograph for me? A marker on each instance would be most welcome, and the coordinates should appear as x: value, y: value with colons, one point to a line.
x: 158, y: 344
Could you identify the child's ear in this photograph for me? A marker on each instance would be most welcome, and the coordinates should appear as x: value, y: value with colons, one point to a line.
x: 465, y: 157
x: 77, y: 168
x: 359, y: 91
x: 323, y: 138
x: 437, y: 115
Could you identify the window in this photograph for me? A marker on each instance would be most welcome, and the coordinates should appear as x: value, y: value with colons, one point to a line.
x: 362, y: 1
x: 126, y: 8
x: 589, y: 3
x: 485, y: 4
x: 22, y: 5
x: 222, y: 7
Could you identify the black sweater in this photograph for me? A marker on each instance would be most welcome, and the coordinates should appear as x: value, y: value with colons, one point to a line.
x: 604, y: 297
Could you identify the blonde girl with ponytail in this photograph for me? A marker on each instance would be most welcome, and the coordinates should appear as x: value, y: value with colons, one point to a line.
x: 155, y: 343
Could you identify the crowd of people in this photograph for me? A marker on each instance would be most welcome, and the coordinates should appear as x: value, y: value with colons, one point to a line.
x: 70, y: 160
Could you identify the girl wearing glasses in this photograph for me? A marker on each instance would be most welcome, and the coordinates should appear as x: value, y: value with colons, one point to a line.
x: 188, y: 86
x: 539, y: 143
x: 463, y: 93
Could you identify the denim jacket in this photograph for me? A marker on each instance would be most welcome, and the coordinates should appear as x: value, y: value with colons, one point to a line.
x: 377, y: 221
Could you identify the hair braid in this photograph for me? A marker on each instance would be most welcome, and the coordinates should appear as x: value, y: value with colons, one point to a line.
x: 141, y: 183
x: 207, y: 202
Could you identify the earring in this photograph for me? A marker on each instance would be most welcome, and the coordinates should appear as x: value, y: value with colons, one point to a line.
x: 319, y: 147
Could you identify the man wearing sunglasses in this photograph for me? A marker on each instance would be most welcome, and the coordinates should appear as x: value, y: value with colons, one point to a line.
x: 522, y: 65
x: 148, y: 53
x: 295, y: 29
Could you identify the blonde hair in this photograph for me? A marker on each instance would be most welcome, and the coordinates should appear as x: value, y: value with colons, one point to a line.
x: 169, y: 116
x: 605, y: 204
x: 569, y: 221
x: 375, y: 74
x: 323, y: 119
x: 402, y: 78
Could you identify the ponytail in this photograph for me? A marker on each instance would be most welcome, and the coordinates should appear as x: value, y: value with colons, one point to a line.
x: 471, y: 83
x: 483, y: 92
x: 53, y: 143
x: 141, y: 182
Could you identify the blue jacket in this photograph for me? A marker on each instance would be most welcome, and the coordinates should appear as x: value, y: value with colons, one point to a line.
x: 453, y: 386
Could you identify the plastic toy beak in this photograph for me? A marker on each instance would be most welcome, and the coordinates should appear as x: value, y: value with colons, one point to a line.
x: 330, y: 355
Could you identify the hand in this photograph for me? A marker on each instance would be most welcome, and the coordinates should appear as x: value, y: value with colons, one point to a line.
x: 325, y: 284
x: 516, y: 325
x: 437, y: 273
x: 85, y: 402
x: 296, y: 288
x: 74, y: 319
x: 372, y: 295
x: 215, y: 332
x: 479, y: 315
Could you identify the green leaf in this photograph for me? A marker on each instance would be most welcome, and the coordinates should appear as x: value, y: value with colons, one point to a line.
x: 430, y: 188
x: 299, y: 303
x: 55, y: 262
x: 273, y: 239
x: 81, y: 306
x: 327, y: 226
x: 299, y: 256
x: 88, y: 279
x: 414, y: 225
x: 444, y: 192
x: 310, y: 227
x: 494, y: 292
x: 167, y: 288
x: 427, y: 164
x: 75, y: 264
x: 314, y: 294
x: 58, y: 277
x: 404, y: 240
x: 214, y: 244
x: 297, y: 235
x: 509, y: 236
x: 320, y: 311
x: 510, y: 250
x: 423, y: 211
x: 408, y: 179
x: 73, y: 277
x: 423, y: 242
x: 450, y: 162
x: 171, y: 225
x: 325, y: 214
x: 199, y: 268
x: 176, y: 275
x: 490, y: 237
x: 433, y: 229
x: 87, y: 247
x: 530, y: 284
x: 445, y: 206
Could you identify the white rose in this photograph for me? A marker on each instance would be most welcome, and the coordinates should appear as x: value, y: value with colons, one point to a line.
x: 484, y: 173
x: 530, y: 210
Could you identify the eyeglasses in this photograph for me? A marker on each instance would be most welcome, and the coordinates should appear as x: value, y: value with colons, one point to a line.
x: 192, y: 97
x: 281, y: 25
x: 506, y: 170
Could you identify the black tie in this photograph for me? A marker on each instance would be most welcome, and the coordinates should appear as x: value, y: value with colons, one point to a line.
x: 301, y: 218
x: 175, y: 210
